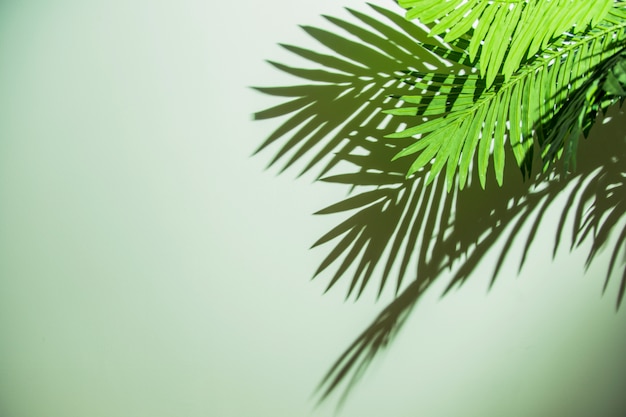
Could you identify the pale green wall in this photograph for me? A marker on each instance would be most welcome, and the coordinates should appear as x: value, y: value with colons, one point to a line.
x: 149, y: 267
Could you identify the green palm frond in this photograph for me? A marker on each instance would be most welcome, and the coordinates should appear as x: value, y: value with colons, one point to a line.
x: 505, y: 32
x: 457, y: 115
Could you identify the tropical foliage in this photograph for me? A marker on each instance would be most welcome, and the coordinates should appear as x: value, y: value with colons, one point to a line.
x: 410, y: 112
x: 462, y: 113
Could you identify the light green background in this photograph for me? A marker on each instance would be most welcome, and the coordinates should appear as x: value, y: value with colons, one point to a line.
x: 149, y: 267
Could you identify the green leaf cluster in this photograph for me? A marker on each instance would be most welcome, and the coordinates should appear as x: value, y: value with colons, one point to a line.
x: 505, y: 33
x: 548, y: 101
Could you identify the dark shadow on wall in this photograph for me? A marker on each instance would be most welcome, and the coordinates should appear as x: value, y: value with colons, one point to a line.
x: 438, y: 232
x: 395, y: 230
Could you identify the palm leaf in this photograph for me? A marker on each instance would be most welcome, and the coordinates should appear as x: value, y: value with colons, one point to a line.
x: 525, y: 105
x: 505, y: 33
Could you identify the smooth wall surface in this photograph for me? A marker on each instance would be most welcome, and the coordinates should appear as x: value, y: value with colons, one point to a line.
x: 149, y: 267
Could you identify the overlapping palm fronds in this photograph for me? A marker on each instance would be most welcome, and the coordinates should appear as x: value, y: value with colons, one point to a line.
x: 505, y: 32
x: 475, y: 120
x: 408, y: 220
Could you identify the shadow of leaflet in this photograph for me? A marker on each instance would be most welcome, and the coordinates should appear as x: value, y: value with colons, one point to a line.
x: 468, y: 227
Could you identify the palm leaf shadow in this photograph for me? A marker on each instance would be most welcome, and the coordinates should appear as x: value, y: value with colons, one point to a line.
x: 479, y: 219
x: 340, y: 106
x: 397, y: 228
